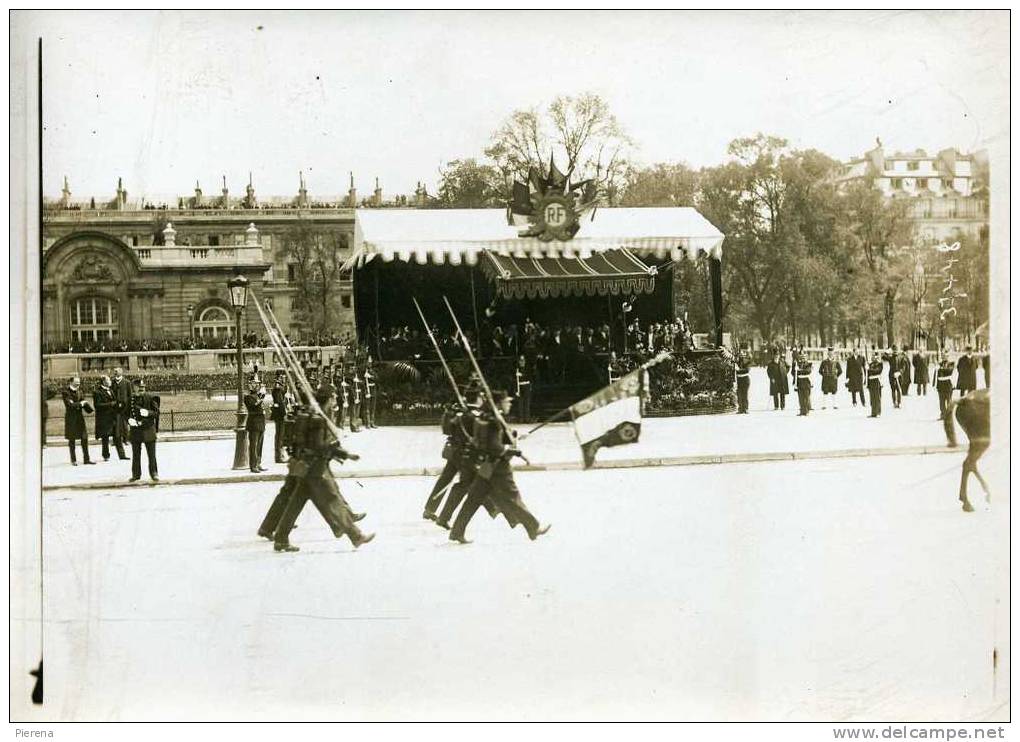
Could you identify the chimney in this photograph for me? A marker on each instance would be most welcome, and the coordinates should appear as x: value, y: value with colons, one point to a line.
x: 121, y: 195
x: 65, y: 194
x: 302, y: 199
x: 352, y: 195
x: 377, y: 195
x: 225, y: 193
x: 198, y: 195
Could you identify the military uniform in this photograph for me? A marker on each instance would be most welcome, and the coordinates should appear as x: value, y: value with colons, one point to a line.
x: 144, y: 424
x: 280, y: 412
x: 943, y: 382
x: 456, y: 424
x: 523, y: 379
x: 743, y: 384
x: 894, y: 379
x: 875, y: 387
x: 355, y: 410
x: 370, y: 398
x: 256, y: 427
x: 804, y: 387
x: 494, y: 479
x: 312, y: 480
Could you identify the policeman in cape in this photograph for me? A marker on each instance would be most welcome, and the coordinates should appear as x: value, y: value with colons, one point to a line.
x: 494, y: 477
x: 310, y: 465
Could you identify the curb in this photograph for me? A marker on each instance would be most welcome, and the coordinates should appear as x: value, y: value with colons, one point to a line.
x: 431, y: 471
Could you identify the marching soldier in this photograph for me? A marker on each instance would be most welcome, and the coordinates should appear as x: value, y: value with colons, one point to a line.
x: 495, y: 478
x: 803, y: 385
x: 318, y: 484
x: 143, y: 421
x: 458, y: 426
x: 779, y: 385
x: 743, y: 382
x: 281, y: 410
x: 856, y: 371
x: 523, y: 376
x: 370, y: 395
x: 943, y: 383
x: 830, y: 370
x: 875, y: 386
x: 75, y: 407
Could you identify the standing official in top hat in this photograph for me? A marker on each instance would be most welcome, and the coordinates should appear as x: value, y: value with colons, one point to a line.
x: 143, y: 421
x: 856, y: 371
x: 106, y: 415
x: 75, y: 407
x: 830, y: 371
x: 122, y: 395
x: 920, y: 364
x: 779, y: 385
x: 966, y: 373
x: 256, y: 423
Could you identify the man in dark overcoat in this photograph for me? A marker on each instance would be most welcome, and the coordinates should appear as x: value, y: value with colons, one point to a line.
x: 75, y: 407
x: 106, y: 415
x: 122, y: 394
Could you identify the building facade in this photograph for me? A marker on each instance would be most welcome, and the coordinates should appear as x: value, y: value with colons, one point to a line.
x: 947, y: 192
x: 125, y: 270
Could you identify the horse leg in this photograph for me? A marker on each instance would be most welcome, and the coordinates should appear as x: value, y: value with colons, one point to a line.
x: 967, y: 507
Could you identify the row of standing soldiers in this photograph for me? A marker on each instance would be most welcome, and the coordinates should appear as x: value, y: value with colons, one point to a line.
x: 478, y: 451
x: 861, y: 374
x: 357, y: 393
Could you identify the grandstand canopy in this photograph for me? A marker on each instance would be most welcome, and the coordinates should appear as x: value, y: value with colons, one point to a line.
x: 455, y: 236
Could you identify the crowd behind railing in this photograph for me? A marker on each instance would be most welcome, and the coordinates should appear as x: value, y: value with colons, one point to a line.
x: 195, y: 342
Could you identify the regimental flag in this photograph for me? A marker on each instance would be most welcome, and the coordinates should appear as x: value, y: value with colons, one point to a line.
x: 609, y: 417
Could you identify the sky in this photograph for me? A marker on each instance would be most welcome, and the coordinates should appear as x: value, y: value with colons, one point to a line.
x: 163, y: 99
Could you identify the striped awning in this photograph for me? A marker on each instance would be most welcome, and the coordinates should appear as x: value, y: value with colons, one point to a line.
x: 456, y: 236
x: 611, y: 272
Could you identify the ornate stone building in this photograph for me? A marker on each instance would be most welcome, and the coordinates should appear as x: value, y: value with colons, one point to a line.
x: 135, y: 270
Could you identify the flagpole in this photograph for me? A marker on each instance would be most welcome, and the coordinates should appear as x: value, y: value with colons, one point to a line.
x: 562, y: 413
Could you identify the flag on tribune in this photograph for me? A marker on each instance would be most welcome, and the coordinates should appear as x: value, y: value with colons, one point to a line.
x: 610, y: 416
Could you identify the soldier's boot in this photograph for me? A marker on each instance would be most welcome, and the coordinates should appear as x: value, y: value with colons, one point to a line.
x: 359, y: 539
x: 285, y: 546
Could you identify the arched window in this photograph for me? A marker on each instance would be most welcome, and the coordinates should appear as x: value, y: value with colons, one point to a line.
x: 93, y: 318
x: 214, y: 322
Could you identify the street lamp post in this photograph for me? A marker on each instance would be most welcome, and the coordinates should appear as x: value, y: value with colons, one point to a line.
x: 238, y: 289
x: 191, y: 320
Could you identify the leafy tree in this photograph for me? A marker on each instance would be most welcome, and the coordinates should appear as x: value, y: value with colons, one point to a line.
x: 466, y: 184
x: 662, y: 184
x: 317, y: 254
x: 580, y: 130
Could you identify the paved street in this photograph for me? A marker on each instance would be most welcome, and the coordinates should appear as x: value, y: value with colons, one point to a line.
x: 408, y: 450
x: 842, y: 589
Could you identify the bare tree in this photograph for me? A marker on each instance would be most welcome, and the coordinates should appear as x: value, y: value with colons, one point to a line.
x: 579, y: 130
x: 317, y: 255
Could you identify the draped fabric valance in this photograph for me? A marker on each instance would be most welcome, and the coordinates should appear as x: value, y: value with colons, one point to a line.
x: 611, y: 272
x: 456, y: 236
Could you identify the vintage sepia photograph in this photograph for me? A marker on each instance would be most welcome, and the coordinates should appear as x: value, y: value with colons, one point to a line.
x: 511, y: 366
